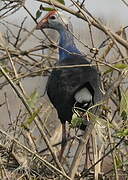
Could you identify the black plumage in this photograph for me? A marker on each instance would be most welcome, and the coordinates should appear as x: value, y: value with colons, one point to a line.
x: 63, y: 84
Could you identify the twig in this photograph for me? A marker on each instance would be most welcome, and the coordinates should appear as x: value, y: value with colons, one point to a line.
x: 83, y: 141
x: 19, y: 32
x: 125, y: 2
x: 113, y: 153
x: 90, y: 127
x: 35, y: 154
x: 36, y: 120
x: 97, y: 24
x: 85, y: 172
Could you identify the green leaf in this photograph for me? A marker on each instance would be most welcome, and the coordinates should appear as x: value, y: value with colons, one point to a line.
x: 121, y: 66
x: 118, y: 66
x: 76, y: 121
x: 122, y: 133
x: 38, y: 14
x: 32, y: 100
x: 6, y: 70
x: 118, y: 161
x: 46, y: 8
x: 32, y: 117
x: 61, y: 1
x: 124, y: 115
x: 99, y: 121
x: 124, y: 105
x: 125, y: 162
x: 125, y: 132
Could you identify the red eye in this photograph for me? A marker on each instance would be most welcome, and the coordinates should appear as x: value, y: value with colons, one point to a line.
x: 52, y: 17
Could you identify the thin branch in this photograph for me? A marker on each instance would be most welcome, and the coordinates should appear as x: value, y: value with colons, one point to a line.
x: 85, y: 172
x: 95, y: 23
x: 35, y: 154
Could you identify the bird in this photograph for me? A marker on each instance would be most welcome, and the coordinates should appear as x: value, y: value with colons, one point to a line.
x: 76, y: 83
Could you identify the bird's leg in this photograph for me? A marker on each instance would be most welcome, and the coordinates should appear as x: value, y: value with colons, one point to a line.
x: 64, y: 142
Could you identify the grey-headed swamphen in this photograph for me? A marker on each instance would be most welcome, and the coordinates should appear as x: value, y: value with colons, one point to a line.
x: 72, y: 85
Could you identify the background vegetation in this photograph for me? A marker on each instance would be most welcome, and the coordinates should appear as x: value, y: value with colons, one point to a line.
x: 30, y: 133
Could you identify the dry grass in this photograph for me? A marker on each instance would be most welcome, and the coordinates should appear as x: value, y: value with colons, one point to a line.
x: 30, y: 132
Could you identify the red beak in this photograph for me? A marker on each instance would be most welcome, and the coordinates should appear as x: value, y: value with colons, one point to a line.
x: 44, y: 22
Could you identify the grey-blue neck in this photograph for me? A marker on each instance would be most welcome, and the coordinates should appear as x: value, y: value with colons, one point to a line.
x: 66, y: 44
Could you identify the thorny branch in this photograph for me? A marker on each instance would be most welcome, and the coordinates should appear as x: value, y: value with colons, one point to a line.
x: 19, y: 64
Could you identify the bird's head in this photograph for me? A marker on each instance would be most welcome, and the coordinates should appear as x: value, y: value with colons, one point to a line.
x: 54, y: 20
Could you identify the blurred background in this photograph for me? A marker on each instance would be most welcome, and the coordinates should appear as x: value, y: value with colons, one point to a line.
x: 112, y: 13
x: 19, y: 37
